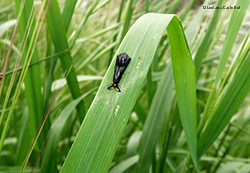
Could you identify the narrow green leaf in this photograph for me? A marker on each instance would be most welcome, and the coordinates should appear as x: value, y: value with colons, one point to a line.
x: 124, y: 165
x: 50, y: 66
x: 6, y: 26
x: 55, y: 133
x: 24, y: 139
x: 244, y: 50
x: 60, y: 83
x: 161, y: 107
x: 8, y: 43
x: 58, y: 34
x: 99, y: 135
x: 146, y: 6
x: 89, y: 12
x: 184, y: 76
x: 187, y: 9
x: 128, y: 17
x: 33, y: 79
x: 118, y: 21
x: 17, y: 169
x: 228, y: 103
x: 27, y: 59
x: 133, y: 144
x: 173, y: 6
x: 203, y: 48
x: 232, y: 31
x: 68, y: 12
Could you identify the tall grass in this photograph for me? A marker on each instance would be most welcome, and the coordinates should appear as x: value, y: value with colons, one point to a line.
x: 184, y: 100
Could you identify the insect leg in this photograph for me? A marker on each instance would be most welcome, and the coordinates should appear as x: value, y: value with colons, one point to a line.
x: 117, y: 89
x: 110, y: 87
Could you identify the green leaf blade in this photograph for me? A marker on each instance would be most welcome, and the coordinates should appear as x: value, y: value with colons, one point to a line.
x: 57, y: 31
x: 229, y: 102
x: 98, y: 137
x: 161, y: 106
x: 184, y: 76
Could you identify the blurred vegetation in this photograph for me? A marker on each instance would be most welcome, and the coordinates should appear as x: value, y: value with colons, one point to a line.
x: 184, y: 104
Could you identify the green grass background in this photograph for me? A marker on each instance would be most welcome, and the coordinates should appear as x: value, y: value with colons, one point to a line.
x: 184, y: 104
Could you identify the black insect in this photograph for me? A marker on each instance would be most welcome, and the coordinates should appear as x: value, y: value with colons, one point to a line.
x: 121, y: 64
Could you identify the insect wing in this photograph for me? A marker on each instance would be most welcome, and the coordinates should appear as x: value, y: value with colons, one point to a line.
x: 122, y: 62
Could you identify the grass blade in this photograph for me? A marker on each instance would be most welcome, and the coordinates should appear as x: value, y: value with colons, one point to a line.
x: 89, y: 12
x: 33, y: 79
x: 227, y: 105
x: 203, y: 48
x: 28, y: 57
x: 118, y: 21
x: 123, y: 166
x: 96, y: 142
x: 68, y: 12
x: 24, y: 139
x: 184, y: 76
x: 161, y: 107
x: 6, y: 26
x: 233, y: 29
x: 55, y: 133
x: 58, y: 34
x: 128, y: 17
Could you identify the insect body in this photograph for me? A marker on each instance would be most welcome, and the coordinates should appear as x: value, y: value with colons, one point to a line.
x: 121, y: 64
